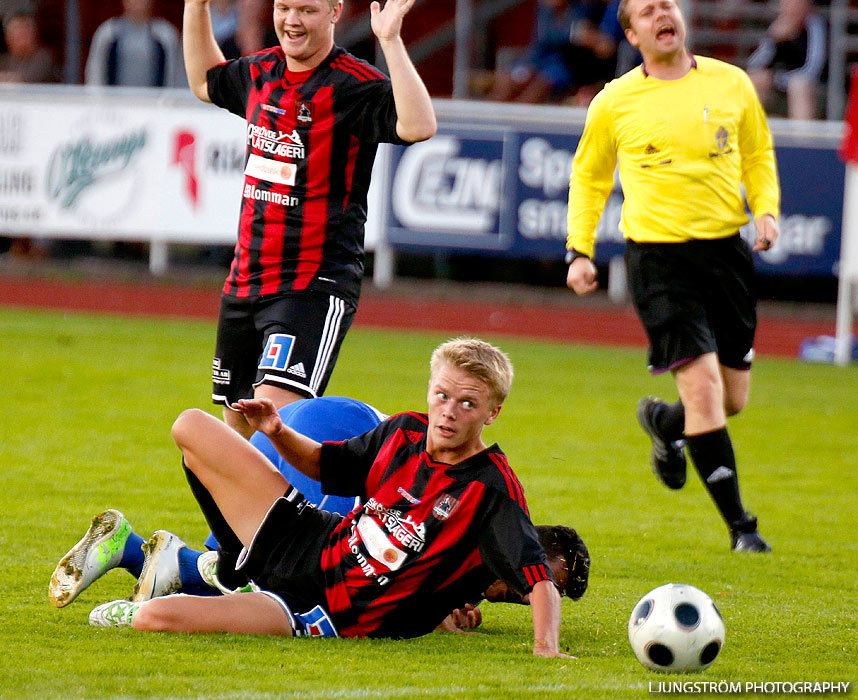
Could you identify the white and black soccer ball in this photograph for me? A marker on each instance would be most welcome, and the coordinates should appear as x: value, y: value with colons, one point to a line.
x: 676, y: 628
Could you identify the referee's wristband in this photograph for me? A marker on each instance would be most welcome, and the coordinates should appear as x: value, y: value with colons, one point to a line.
x: 573, y: 255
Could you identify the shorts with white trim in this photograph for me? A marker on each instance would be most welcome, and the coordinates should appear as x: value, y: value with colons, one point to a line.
x: 285, y: 556
x: 694, y: 298
x: 289, y: 340
x: 313, y: 623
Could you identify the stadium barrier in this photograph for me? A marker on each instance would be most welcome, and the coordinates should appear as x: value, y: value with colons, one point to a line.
x: 162, y: 167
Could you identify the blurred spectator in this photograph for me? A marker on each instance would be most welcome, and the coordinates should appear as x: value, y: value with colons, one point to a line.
x: 225, y: 26
x: 25, y: 60
x: 567, y: 52
x: 613, y: 39
x: 136, y: 49
x: 790, y: 61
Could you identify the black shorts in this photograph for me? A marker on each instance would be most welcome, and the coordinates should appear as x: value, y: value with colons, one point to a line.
x: 694, y: 298
x: 286, y: 553
x: 290, y: 340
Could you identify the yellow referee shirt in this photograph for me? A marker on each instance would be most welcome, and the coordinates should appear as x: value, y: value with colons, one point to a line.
x: 684, y: 149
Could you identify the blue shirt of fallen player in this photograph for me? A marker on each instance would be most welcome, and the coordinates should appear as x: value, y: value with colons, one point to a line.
x: 323, y: 419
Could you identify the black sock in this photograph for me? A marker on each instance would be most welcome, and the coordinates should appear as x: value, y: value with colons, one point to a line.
x: 713, y: 456
x: 229, y: 546
x: 669, y: 420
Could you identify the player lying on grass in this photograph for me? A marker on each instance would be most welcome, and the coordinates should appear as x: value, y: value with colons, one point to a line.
x: 163, y: 564
x: 443, y: 517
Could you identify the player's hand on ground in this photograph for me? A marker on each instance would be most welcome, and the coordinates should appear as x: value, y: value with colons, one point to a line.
x: 261, y: 414
x: 767, y: 232
x: 462, y: 620
x: 387, y: 22
x: 581, y: 276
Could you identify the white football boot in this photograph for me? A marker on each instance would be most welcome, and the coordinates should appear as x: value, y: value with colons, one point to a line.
x: 99, y: 551
x: 160, y: 574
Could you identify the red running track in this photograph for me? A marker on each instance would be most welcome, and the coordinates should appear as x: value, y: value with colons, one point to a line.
x: 777, y: 334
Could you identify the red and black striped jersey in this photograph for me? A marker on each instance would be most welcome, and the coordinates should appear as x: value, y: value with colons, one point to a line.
x: 429, y: 536
x: 311, y: 141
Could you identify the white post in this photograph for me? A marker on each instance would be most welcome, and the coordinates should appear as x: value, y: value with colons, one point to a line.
x: 848, y: 271
x: 158, y: 257
x: 617, y: 286
x: 384, y: 261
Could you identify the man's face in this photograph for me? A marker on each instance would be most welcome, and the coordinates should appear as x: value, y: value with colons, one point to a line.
x: 657, y: 28
x: 459, y: 406
x: 305, y: 28
x: 138, y: 10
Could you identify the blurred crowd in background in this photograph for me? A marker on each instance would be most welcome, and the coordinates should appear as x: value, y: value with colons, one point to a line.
x: 534, y: 51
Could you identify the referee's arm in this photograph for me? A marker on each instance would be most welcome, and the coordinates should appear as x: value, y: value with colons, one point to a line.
x: 199, y: 45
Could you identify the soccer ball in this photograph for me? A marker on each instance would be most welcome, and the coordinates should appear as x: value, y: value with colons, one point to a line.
x: 676, y: 628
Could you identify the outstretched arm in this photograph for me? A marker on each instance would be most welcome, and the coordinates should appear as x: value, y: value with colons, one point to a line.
x: 545, y: 606
x: 415, y: 114
x: 300, y: 451
x: 201, y: 49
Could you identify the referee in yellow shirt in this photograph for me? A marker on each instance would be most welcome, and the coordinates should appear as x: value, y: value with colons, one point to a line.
x: 687, y: 132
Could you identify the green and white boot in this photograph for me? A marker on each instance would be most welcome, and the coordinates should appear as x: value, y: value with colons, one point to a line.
x: 99, y: 551
x: 116, y: 613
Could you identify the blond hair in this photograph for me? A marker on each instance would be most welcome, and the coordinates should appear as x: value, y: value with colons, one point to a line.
x: 479, y: 359
x: 623, y: 15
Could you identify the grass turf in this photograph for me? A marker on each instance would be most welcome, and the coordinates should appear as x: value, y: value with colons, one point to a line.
x: 88, y: 406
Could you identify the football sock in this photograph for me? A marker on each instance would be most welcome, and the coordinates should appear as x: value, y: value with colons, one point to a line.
x: 132, y: 555
x: 192, y: 582
x: 669, y: 420
x: 217, y: 523
x: 229, y: 546
x: 712, y: 454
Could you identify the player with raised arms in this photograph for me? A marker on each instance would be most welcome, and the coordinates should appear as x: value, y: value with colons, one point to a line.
x: 314, y: 116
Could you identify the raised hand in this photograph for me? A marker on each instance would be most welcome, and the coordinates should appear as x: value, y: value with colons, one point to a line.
x: 261, y: 414
x: 386, y: 23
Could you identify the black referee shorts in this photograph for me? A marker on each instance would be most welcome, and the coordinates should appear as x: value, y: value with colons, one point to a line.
x: 290, y: 340
x: 286, y: 553
x: 694, y: 298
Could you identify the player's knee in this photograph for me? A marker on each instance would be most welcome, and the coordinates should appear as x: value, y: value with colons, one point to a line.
x: 733, y: 405
x: 187, y: 425
x: 153, y: 616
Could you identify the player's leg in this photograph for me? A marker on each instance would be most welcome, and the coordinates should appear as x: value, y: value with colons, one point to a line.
x: 235, y: 359
x: 734, y: 322
x: 702, y: 393
x: 241, y: 484
x: 661, y: 307
x: 246, y: 613
x: 737, y: 385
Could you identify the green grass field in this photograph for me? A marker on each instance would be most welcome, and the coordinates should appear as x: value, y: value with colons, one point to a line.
x: 88, y: 402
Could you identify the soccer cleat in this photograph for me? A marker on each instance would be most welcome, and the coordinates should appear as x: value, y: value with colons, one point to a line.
x: 116, y: 613
x: 668, y: 458
x: 99, y: 551
x: 749, y: 542
x: 745, y: 538
x: 160, y: 574
x: 207, y: 566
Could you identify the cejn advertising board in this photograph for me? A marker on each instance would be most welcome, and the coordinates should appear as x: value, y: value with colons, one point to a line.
x: 503, y: 191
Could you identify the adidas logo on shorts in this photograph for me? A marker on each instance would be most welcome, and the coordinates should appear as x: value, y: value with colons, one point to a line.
x: 298, y: 370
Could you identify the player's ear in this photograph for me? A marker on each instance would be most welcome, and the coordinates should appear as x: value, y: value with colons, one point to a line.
x: 337, y: 13
x: 632, y: 38
x: 494, y: 414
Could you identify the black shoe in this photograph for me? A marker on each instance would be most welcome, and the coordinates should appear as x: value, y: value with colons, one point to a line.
x: 668, y: 458
x: 745, y: 538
